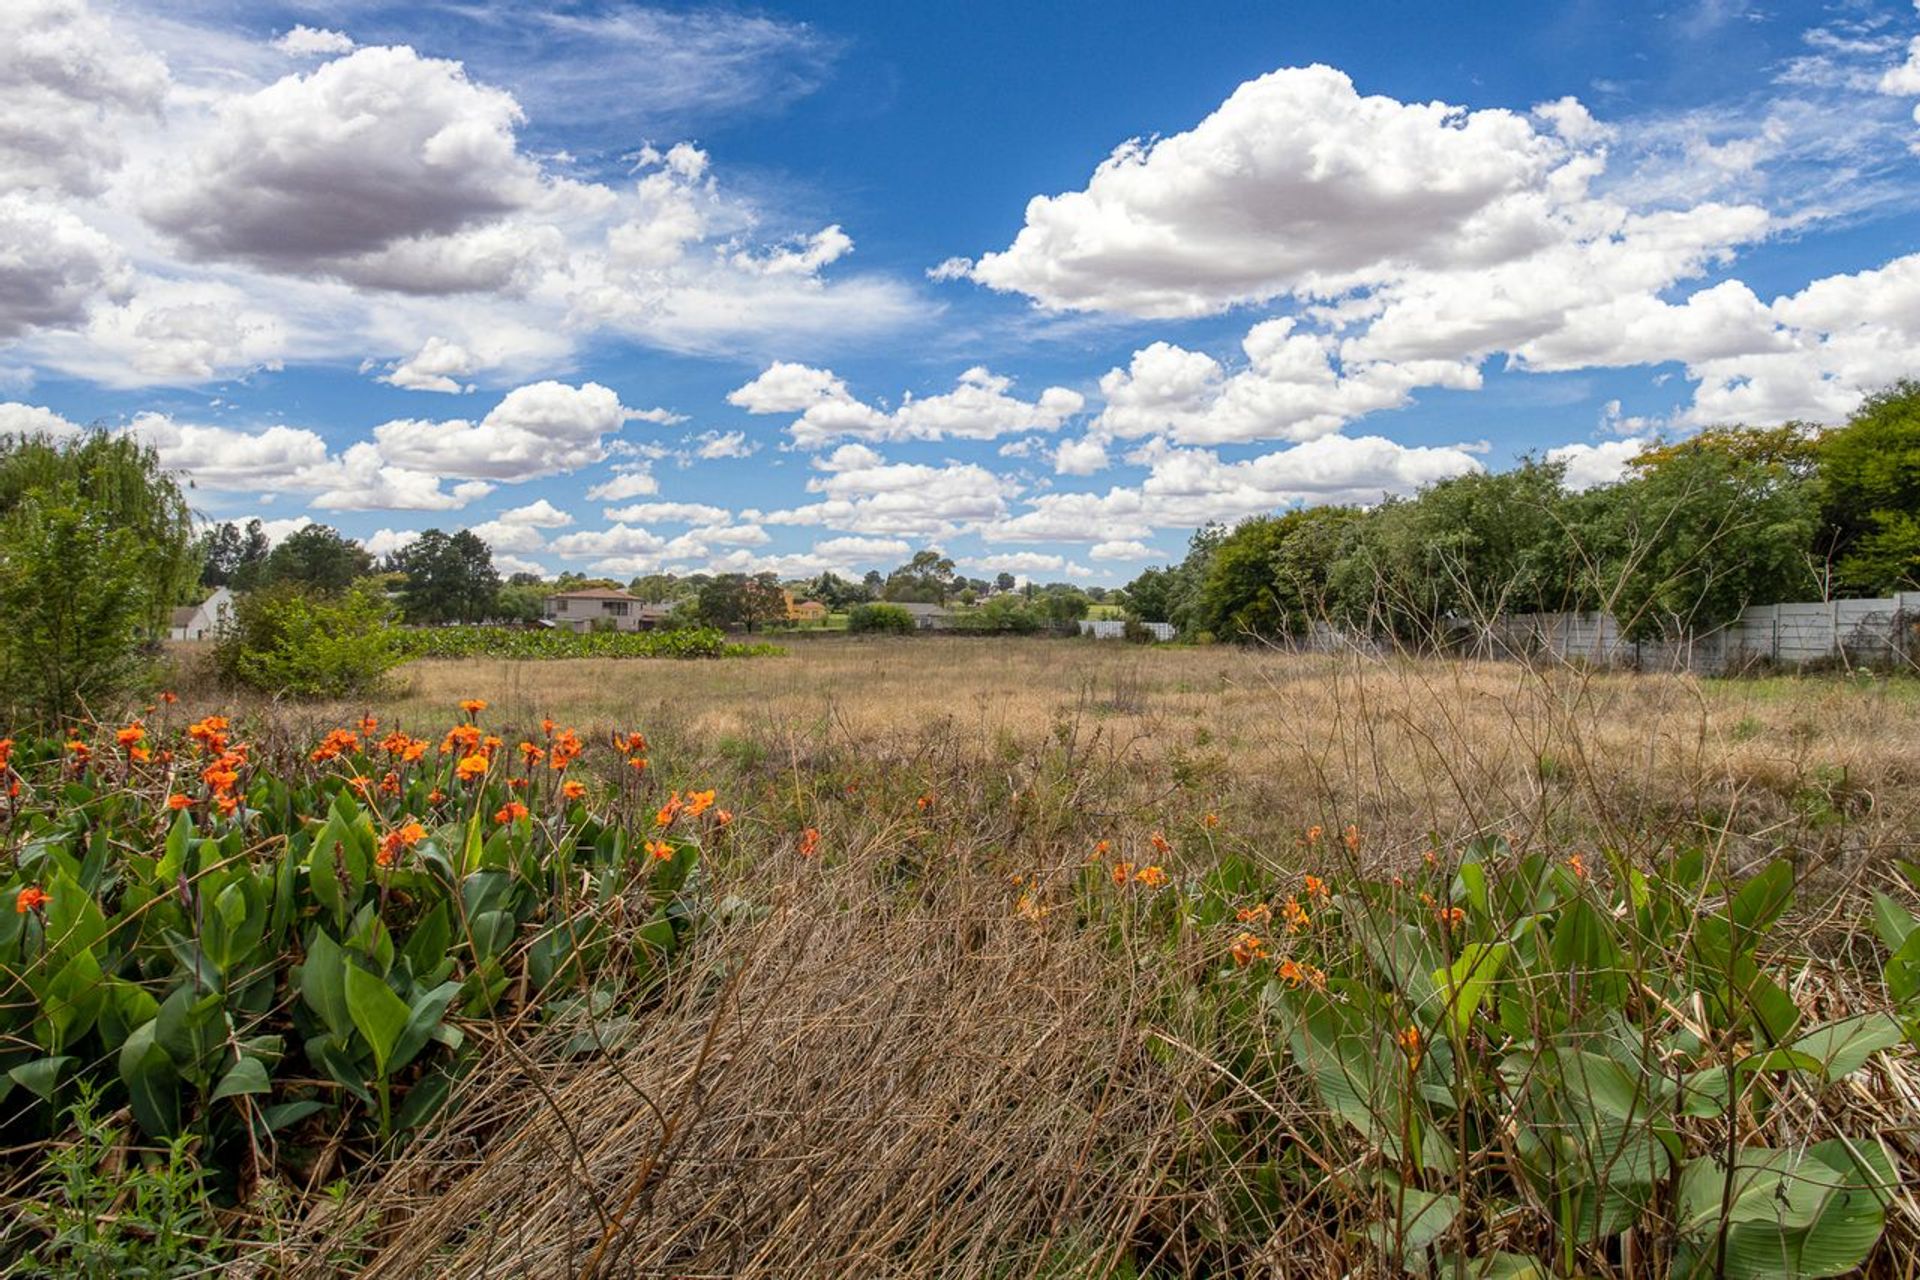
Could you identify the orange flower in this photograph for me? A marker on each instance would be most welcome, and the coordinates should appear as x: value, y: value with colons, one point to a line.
x: 669, y: 811
x: 139, y: 754
x: 1211, y: 821
x: 1316, y: 887
x: 337, y: 743
x: 1291, y: 972
x: 659, y: 850
x: 722, y: 818
x: 1429, y: 857
x: 573, y: 788
x: 31, y: 898
x: 210, y: 733
x: 6, y: 752
x: 698, y: 802
x: 368, y: 726
x: 1122, y: 872
x: 638, y: 764
x: 464, y: 737
x: 511, y: 811
x: 1295, y: 915
x: 1578, y: 866
x: 1352, y: 837
x: 359, y: 783
x: 809, y: 842
x: 1410, y: 1044
x: 471, y: 767
x: 80, y: 751
x: 436, y: 797
x: 1101, y: 849
x: 1259, y: 913
x: 1160, y: 844
x: 167, y: 697
x: 1247, y: 948
x: 473, y: 706
x: 390, y: 784
x: 516, y: 784
x: 630, y: 744
x: 131, y: 734
x: 177, y: 801
x: 1152, y: 877
x: 226, y: 805
x: 565, y: 749
x: 1452, y: 917
x: 546, y: 726
x: 531, y: 754
x: 1313, y: 835
x: 398, y: 839
x: 925, y: 802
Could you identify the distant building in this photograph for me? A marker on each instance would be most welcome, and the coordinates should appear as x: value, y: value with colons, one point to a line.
x: 603, y: 607
x: 201, y: 621
x: 807, y: 611
x: 929, y: 617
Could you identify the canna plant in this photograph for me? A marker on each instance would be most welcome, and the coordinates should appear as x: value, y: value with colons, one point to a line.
x: 229, y: 946
x: 1518, y: 1067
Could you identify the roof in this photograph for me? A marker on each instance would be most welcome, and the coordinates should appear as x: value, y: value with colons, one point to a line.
x: 920, y: 610
x: 185, y: 614
x: 593, y: 593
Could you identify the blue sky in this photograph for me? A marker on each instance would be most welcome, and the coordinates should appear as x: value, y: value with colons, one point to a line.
x: 632, y: 288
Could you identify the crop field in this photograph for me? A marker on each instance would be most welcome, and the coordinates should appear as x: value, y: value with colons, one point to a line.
x: 958, y: 956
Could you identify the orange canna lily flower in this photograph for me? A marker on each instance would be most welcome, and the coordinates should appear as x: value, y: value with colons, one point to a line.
x: 139, y: 754
x: 1316, y: 887
x: 1291, y: 972
x: 531, y: 754
x: 659, y: 850
x: 698, y: 802
x: 809, y: 842
x: 1295, y: 915
x: 168, y: 697
x: 131, y: 734
x: 80, y: 751
x: 1452, y: 917
x: 722, y: 818
x: 176, y: 801
x: 1122, y: 872
x: 31, y: 898
x: 1211, y: 821
x: 573, y: 788
x: 1352, y: 837
x: 1152, y: 877
x: 669, y: 811
x: 1259, y: 913
x: 473, y: 706
x: 471, y: 767
x: 1160, y: 844
x: 1247, y: 948
x: 1313, y: 835
x: 511, y: 811
x: 436, y: 797
x: 1101, y: 848
x: 226, y: 805
x: 1578, y: 865
x: 1410, y: 1044
x: 400, y: 838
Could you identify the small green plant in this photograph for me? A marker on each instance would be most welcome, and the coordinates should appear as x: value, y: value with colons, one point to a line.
x: 879, y: 618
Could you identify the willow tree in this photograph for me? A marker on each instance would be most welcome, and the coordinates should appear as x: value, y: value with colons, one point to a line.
x: 96, y: 545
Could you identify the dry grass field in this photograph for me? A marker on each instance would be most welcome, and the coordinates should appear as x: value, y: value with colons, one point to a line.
x: 911, y: 1055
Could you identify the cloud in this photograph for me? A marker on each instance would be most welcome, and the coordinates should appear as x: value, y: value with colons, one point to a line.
x: 361, y: 480
x: 724, y: 444
x: 978, y: 408
x: 310, y: 42
x: 52, y: 265
x: 1120, y: 550
x: 1295, y: 182
x: 74, y: 81
x: 866, y: 495
x: 18, y: 419
x: 540, y: 514
x: 224, y: 458
x: 633, y: 480
x: 667, y: 513
x: 619, y: 540
x: 384, y: 542
x: 1589, y: 465
x: 437, y: 366
x: 536, y: 430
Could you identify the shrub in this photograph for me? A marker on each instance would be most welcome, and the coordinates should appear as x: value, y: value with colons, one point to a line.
x: 506, y: 642
x: 287, y: 642
x: 885, y: 618
x: 1006, y: 614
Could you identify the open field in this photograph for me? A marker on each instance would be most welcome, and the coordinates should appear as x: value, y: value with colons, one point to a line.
x: 948, y: 1033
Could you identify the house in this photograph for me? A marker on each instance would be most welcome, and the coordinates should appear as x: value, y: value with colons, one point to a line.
x: 201, y: 621
x: 609, y: 608
x: 807, y: 612
x: 929, y: 617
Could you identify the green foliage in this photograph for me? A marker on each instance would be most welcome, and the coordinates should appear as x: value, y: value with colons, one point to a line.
x: 95, y: 547
x: 1007, y: 614
x: 1629, y: 1048
x: 295, y: 950
x: 316, y: 557
x: 505, y: 642
x: 744, y: 601
x: 888, y: 618
x: 448, y: 578
x: 288, y: 642
x: 1870, y: 491
x: 928, y: 578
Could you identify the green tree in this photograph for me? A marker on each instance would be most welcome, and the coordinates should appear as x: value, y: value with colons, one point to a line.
x: 449, y: 578
x: 96, y: 544
x: 925, y: 579
x: 315, y: 556
x: 249, y: 558
x: 291, y: 641
x: 739, y: 601
x: 879, y: 618
x: 1869, y: 481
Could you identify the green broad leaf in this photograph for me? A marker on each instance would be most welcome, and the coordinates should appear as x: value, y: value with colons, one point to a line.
x: 153, y: 1084
x: 1470, y: 887
x: 1762, y: 900
x: 71, y: 1002
x: 1493, y: 1266
x: 1841, y: 1048
x: 379, y: 1015
x: 127, y: 1006
x: 426, y: 947
x: 41, y: 1077
x: 74, y: 921
x: 1892, y: 922
x: 248, y: 1075
x: 1826, y: 1214
x: 1464, y: 983
x: 1610, y: 1086
x: 1706, y: 1092
x: 423, y: 1020
x: 192, y: 1028
x: 1414, y: 1220
x: 281, y: 1114
x: 1585, y: 948
x: 340, y: 1064
x: 424, y: 1100
x: 323, y: 978
x: 473, y: 848
x: 173, y: 860
x: 492, y: 934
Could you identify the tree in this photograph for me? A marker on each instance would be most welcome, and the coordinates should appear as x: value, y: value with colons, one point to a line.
x: 925, y: 579
x: 250, y: 560
x: 836, y: 592
x: 519, y: 602
x: 1004, y: 582
x: 1869, y: 488
x: 735, y: 600
x: 315, y: 556
x: 1687, y: 545
x: 449, y: 578
x: 884, y: 618
x: 96, y: 544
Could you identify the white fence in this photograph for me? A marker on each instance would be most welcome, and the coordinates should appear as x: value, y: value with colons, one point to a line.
x: 1113, y: 629
x: 1849, y: 631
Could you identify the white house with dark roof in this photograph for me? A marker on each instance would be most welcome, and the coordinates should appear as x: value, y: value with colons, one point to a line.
x: 608, y: 608
x: 201, y: 621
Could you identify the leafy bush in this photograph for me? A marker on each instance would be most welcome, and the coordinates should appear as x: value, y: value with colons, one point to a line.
x: 1631, y: 1053
x: 240, y: 950
x: 287, y: 642
x: 879, y: 618
x: 1006, y: 614
x: 506, y: 642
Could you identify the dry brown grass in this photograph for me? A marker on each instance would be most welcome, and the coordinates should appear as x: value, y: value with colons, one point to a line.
x: 877, y: 1066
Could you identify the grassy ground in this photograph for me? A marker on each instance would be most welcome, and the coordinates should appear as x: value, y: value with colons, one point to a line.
x: 909, y: 1055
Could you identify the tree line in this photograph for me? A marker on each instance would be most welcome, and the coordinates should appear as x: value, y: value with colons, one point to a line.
x: 1692, y: 534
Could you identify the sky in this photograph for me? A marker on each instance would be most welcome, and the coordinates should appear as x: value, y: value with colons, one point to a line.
x: 794, y: 288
